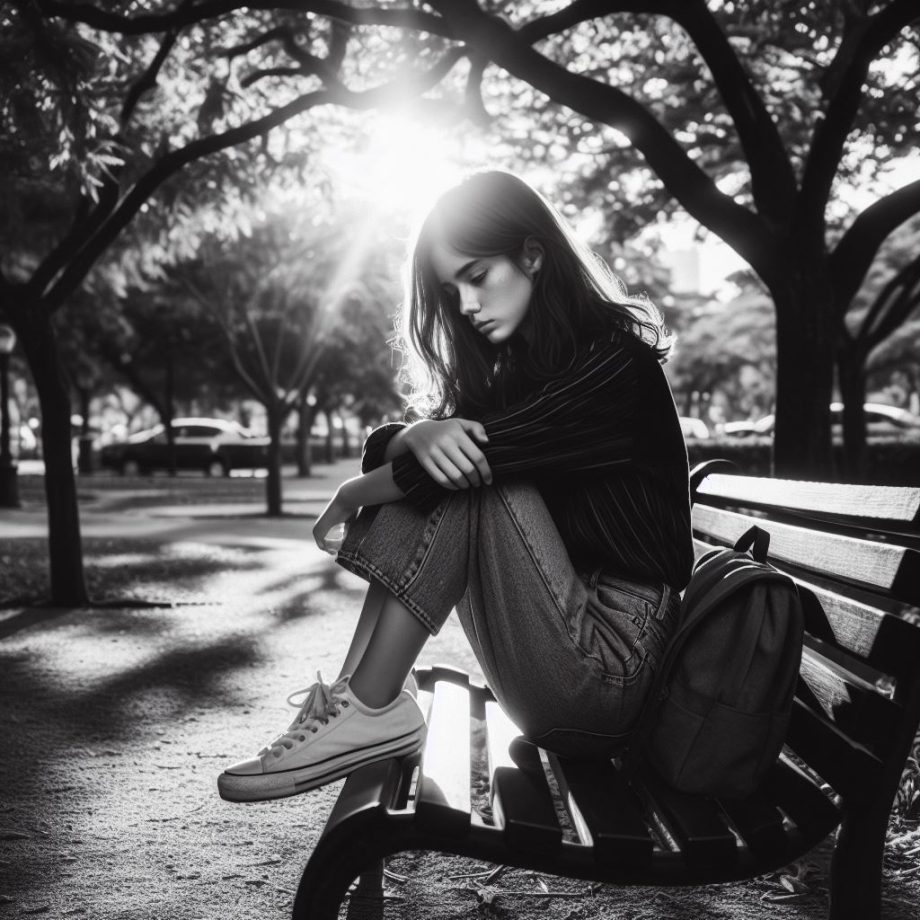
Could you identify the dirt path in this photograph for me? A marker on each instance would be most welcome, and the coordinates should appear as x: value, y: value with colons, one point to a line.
x: 116, y: 721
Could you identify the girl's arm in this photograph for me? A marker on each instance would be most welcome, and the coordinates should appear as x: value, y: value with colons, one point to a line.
x: 374, y: 488
x: 449, y: 450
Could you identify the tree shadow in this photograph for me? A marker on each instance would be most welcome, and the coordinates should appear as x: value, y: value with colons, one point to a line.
x: 109, y: 711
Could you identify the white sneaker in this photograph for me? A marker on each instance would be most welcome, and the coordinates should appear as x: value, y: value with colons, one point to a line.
x: 333, y: 734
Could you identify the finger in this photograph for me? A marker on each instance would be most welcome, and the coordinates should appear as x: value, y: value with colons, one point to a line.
x: 485, y: 471
x: 429, y: 466
x: 476, y: 429
x: 475, y: 456
x: 449, y: 468
x: 462, y: 461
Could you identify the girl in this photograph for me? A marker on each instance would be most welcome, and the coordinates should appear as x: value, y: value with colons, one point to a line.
x: 543, y: 493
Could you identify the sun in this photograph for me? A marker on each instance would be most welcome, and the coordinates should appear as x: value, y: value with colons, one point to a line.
x: 403, y: 163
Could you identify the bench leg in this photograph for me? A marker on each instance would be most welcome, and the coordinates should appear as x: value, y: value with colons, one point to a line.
x: 856, y: 868
x: 329, y: 873
x: 367, y: 899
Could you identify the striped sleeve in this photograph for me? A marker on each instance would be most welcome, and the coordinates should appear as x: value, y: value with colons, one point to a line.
x: 582, y: 421
x: 376, y: 444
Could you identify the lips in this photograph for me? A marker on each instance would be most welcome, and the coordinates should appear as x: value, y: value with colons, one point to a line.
x: 484, y: 324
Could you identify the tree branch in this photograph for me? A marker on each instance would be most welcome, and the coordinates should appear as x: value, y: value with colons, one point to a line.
x: 228, y: 335
x: 848, y: 69
x: 891, y: 306
x: 853, y: 255
x: 148, y: 80
x: 773, y: 182
x: 256, y: 75
x: 169, y: 164
x: 696, y: 191
x: 145, y: 23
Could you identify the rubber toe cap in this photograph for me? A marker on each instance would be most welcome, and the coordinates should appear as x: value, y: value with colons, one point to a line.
x: 247, y: 768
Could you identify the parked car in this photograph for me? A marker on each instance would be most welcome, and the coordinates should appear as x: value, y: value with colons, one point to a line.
x: 693, y: 428
x: 211, y: 445
x: 881, y: 419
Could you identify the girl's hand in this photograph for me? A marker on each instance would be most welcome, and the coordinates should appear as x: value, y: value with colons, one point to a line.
x: 448, y: 452
x: 332, y: 525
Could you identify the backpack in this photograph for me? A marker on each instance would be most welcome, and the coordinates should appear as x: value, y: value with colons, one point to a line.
x: 716, y: 718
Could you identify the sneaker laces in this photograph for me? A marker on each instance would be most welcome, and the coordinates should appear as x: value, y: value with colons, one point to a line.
x: 321, y: 703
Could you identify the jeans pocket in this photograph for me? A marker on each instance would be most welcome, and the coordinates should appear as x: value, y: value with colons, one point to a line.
x: 609, y: 631
x: 660, y: 626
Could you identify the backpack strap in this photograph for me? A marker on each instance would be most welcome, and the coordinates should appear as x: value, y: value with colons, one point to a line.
x: 755, y: 539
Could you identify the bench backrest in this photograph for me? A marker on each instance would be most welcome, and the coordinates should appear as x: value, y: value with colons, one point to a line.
x: 855, y: 553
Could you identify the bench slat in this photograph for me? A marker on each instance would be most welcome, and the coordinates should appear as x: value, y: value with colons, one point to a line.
x: 598, y: 794
x: 442, y: 796
x: 855, y: 708
x: 695, y: 822
x: 796, y: 794
x: 759, y: 823
x: 884, y: 566
x: 849, y: 767
x: 886, y: 642
x: 521, y: 799
x: 888, y: 503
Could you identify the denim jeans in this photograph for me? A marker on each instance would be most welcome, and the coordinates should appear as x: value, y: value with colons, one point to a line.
x: 569, y: 654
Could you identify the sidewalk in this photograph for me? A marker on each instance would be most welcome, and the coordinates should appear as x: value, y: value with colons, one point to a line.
x: 117, y: 721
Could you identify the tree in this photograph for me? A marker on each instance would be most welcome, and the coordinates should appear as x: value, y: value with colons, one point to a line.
x: 889, y: 297
x: 748, y: 114
x: 728, y: 349
x: 97, y: 130
x: 295, y: 292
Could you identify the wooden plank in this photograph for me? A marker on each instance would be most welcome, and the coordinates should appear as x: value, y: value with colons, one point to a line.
x: 598, y: 797
x: 884, y: 566
x: 846, y: 765
x: 759, y: 823
x: 888, y: 503
x: 855, y: 707
x: 695, y: 822
x: 370, y: 787
x: 795, y: 793
x: 887, y: 642
x: 442, y: 797
x: 521, y: 799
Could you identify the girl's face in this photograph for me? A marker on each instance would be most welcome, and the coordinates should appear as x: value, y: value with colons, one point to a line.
x: 491, y: 291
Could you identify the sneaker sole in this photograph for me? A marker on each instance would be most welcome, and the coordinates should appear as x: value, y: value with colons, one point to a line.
x: 234, y: 787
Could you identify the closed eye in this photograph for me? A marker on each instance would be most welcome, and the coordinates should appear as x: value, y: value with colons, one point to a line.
x: 478, y: 278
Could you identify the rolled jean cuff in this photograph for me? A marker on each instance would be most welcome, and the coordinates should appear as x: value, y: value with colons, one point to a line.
x: 355, y: 563
x: 415, y: 554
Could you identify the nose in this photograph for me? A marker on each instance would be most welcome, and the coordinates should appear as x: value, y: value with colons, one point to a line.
x: 469, y: 304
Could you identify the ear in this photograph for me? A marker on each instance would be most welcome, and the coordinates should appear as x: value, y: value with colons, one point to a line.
x: 532, y: 256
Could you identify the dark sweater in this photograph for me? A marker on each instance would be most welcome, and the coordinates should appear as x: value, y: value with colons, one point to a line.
x: 602, y: 443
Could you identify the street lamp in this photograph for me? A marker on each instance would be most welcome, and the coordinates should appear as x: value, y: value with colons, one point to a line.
x: 9, y: 489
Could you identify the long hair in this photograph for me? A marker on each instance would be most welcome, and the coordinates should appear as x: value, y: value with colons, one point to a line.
x: 451, y: 368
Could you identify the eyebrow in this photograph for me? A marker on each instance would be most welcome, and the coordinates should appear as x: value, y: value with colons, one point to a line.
x: 465, y: 268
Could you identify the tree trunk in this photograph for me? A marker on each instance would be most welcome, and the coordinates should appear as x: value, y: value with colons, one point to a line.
x: 346, y: 440
x: 851, y: 374
x: 169, y: 403
x: 304, y: 424
x: 806, y: 335
x: 85, y: 455
x: 65, y: 551
x: 275, y: 419
x: 330, y: 443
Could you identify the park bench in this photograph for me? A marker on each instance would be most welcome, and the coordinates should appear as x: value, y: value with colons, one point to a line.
x: 855, y: 553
